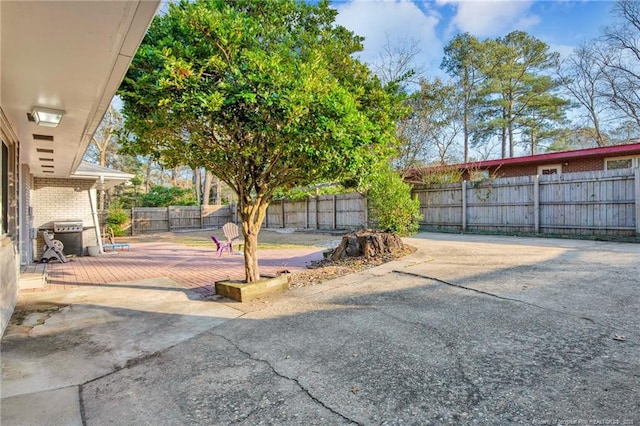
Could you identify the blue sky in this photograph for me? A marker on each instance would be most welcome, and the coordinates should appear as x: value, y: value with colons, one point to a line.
x: 562, y: 24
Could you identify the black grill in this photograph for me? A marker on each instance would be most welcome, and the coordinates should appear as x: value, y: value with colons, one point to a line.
x: 70, y: 234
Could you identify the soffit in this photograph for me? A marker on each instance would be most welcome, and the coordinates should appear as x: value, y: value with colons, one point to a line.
x: 68, y: 55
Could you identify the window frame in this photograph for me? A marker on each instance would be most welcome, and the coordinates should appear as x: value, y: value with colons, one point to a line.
x: 9, y: 197
x: 557, y: 167
x: 635, y: 160
x: 4, y: 188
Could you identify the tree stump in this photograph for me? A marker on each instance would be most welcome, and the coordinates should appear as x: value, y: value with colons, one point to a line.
x: 369, y: 244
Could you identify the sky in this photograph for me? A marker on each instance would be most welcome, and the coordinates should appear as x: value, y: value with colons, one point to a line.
x: 562, y: 24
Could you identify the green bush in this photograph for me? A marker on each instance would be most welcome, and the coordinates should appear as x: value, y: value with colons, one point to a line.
x: 163, y: 196
x: 390, y: 202
x: 116, y: 219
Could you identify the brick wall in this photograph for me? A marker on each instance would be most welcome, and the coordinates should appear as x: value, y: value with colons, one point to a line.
x: 62, y: 200
x: 570, y: 166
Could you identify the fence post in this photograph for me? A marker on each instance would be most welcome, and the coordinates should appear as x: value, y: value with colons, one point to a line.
x: 282, y: 211
x: 201, y: 216
x: 169, y: 218
x: 133, y: 221
x: 464, y: 205
x: 234, y: 212
x: 636, y: 184
x: 335, y: 211
x: 366, y: 212
x: 536, y: 203
x: 306, y: 213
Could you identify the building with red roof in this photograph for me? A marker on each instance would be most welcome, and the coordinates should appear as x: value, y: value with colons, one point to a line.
x: 580, y: 160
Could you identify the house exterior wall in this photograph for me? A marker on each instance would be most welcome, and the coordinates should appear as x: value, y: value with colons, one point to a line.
x: 9, y: 255
x: 25, y: 245
x: 62, y: 200
x: 9, y: 278
x: 531, y: 169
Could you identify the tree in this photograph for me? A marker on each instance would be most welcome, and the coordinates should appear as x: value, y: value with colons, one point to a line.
x: 430, y: 130
x: 583, y: 76
x: 464, y: 61
x: 103, y: 148
x: 521, y: 88
x: 265, y: 95
x: 622, y: 63
x: 165, y: 196
x: 397, y: 63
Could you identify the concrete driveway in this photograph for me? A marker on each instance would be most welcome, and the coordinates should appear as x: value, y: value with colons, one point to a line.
x: 467, y: 330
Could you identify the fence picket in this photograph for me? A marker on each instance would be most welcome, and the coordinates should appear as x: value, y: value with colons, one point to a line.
x: 589, y: 203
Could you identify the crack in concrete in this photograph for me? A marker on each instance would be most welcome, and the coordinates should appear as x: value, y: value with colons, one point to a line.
x: 132, y: 362
x: 508, y: 299
x: 292, y: 379
x: 474, y: 395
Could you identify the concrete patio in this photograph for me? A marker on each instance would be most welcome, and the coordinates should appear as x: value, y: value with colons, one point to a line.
x: 466, y: 330
x: 195, y: 268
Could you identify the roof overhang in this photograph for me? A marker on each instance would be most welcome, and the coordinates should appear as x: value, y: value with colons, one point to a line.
x: 104, y: 178
x: 547, y: 158
x: 70, y: 56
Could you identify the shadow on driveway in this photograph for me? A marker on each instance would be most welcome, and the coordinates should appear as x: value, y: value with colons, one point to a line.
x: 464, y: 331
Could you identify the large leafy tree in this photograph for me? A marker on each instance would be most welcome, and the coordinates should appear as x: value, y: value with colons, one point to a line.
x: 266, y: 95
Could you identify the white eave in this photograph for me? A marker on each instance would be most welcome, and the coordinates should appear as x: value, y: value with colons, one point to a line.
x: 67, y: 55
x: 105, y: 178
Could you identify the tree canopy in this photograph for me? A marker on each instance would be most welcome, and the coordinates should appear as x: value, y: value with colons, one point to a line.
x: 266, y: 95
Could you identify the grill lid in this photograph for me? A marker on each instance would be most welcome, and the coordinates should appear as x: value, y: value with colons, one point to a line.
x: 68, y: 226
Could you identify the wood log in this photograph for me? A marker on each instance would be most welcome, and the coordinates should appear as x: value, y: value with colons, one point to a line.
x: 369, y: 244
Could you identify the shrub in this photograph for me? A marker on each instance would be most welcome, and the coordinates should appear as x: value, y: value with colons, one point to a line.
x: 162, y: 196
x: 117, y: 218
x: 390, y: 202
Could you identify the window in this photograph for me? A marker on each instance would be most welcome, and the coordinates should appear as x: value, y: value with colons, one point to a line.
x: 5, y: 189
x: 620, y: 163
x: 550, y: 169
x: 476, y: 175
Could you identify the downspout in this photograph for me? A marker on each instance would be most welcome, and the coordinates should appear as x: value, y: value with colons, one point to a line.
x: 94, y: 214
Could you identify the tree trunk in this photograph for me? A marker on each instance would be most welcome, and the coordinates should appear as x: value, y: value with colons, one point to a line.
x: 218, y: 192
x: 174, y: 176
x: 252, y: 216
x: 197, y: 184
x: 147, y: 181
x: 503, y: 135
x: 369, y: 244
x: 465, y: 125
x: 206, y: 191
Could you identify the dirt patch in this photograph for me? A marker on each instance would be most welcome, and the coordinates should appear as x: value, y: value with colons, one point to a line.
x: 327, y: 269
x: 28, y: 315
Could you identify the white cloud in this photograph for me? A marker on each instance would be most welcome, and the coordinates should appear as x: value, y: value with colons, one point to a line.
x: 402, y: 20
x: 564, y: 50
x: 491, y: 18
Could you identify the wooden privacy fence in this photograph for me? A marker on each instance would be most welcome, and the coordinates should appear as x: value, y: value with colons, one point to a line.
x: 147, y: 220
x: 343, y: 211
x: 605, y: 203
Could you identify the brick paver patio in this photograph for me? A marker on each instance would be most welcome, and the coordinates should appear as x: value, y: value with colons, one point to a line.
x: 195, y: 268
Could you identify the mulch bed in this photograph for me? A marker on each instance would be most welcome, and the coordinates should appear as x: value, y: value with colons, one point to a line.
x: 327, y: 269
